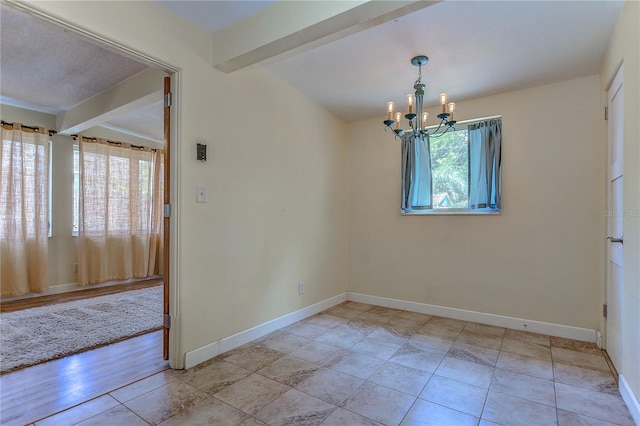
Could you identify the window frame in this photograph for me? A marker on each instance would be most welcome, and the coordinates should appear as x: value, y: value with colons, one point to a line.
x: 485, y: 211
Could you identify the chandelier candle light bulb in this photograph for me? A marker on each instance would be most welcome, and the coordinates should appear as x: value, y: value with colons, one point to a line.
x: 416, y: 117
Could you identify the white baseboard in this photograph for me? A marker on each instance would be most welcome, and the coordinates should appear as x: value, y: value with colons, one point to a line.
x: 205, y: 353
x: 569, y: 332
x: 629, y: 398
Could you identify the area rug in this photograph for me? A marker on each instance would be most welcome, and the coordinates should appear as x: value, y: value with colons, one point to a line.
x: 35, y: 335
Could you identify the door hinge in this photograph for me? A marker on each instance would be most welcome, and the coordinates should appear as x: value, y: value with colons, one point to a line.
x: 167, y: 210
x: 606, y: 113
x: 166, y: 321
x: 168, y: 100
x: 604, y: 310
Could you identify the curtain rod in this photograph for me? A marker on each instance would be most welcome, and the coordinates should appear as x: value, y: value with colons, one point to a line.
x: 34, y: 128
x: 120, y: 144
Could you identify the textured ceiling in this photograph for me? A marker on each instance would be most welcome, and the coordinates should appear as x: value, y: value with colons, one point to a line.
x: 53, y: 70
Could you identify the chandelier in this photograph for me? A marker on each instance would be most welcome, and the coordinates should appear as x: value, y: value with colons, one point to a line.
x: 417, y: 118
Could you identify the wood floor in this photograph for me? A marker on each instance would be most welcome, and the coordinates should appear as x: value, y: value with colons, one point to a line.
x: 34, y: 302
x: 34, y: 393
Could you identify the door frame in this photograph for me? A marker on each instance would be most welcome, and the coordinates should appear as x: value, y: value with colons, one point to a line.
x: 613, y: 249
x: 175, y: 75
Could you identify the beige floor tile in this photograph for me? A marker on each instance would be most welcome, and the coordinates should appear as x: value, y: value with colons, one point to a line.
x: 283, y: 342
x: 211, y: 411
x: 119, y: 415
x: 523, y: 347
x: 341, y: 311
x: 289, y: 370
x: 473, y: 353
x: 441, y: 330
x: 567, y: 418
x: 166, y: 401
x: 81, y: 412
x: 363, y: 327
x: 342, y: 417
x: 330, y: 385
x: 251, y: 393
x: 509, y: 410
x: 318, y: 353
x: 342, y: 336
x: 254, y: 357
x: 143, y: 386
x: 358, y: 365
x: 391, y: 335
x: 425, y: 413
x: 465, y: 371
x: 401, y: 378
x: 526, y: 365
x: 455, y: 395
x: 525, y: 336
x: 379, y: 403
x: 575, y: 345
x: 579, y: 359
x: 326, y: 320
x: 430, y: 343
x: 252, y: 421
x: 484, y: 340
x: 306, y: 330
x: 373, y: 317
x: 597, y: 380
x: 593, y: 404
x: 415, y: 316
x: 523, y: 386
x: 407, y: 325
x: 410, y: 356
x: 362, y: 307
x: 215, y: 377
x: 484, y: 329
x: 449, y: 322
x: 376, y: 347
x: 295, y: 408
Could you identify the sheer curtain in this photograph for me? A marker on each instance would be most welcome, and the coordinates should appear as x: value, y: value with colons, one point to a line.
x: 120, y: 219
x: 485, y: 172
x: 24, y: 208
x: 416, y: 174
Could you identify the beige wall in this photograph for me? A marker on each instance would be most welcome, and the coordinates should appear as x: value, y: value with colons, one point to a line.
x: 625, y: 49
x: 275, y: 178
x: 539, y: 260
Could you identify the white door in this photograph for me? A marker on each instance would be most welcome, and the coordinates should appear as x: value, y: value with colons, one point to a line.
x: 615, y: 216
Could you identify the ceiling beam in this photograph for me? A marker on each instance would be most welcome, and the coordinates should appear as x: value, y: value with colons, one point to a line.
x: 143, y: 89
x: 299, y: 25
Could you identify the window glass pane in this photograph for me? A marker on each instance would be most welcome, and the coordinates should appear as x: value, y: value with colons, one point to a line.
x: 450, y: 169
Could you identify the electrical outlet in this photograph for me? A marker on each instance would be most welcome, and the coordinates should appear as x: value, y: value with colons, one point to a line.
x: 300, y: 288
x: 75, y: 268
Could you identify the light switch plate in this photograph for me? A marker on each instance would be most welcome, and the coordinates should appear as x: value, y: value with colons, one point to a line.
x: 201, y: 194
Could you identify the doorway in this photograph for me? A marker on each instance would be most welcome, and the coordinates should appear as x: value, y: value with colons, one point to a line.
x: 166, y: 127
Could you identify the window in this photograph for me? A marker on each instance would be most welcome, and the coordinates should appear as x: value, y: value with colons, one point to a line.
x: 457, y: 172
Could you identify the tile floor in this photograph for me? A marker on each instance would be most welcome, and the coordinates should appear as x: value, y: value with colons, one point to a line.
x: 358, y: 364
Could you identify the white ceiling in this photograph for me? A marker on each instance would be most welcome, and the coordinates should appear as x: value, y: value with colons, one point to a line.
x: 475, y: 48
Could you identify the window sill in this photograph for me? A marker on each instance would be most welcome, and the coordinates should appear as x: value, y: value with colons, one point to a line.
x: 448, y: 212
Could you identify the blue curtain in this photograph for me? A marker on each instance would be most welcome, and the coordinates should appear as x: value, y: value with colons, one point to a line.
x: 485, y: 173
x: 416, y: 174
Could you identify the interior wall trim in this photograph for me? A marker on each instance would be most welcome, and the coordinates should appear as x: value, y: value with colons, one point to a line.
x: 629, y: 398
x: 213, y: 349
x: 558, y: 330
